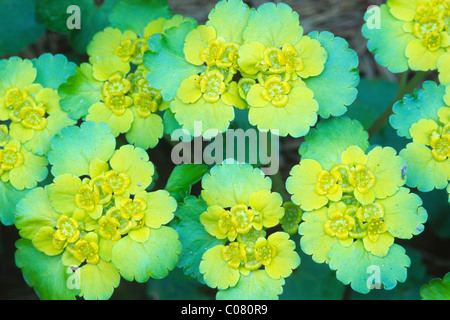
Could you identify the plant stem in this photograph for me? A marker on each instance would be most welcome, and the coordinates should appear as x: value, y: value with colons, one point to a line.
x: 405, y: 87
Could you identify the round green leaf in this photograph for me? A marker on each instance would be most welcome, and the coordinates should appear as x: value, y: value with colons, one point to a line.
x: 355, y: 266
x: 193, y: 236
x: 97, y: 281
x: 73, y: 150
x: 335, y: 88
x: 46, y: 274
x: 52, y: 70
x: 166, y: 62
x: 423, y: 104
x: 153, y: 258
x: 80, y: 92
x: 330, y: 138
x: 437, y: 289
x: 255, y: 286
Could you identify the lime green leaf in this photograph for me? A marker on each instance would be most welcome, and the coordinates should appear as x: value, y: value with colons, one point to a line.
x: 134, y: 15
x: 16, y: 72
x: 97, y: 281
x: 229, y: 19
x: 73, y: 150
x: 409, y: 290
x: 183, y: 177
x: 80, y: 92
x: 423, y: 104
x: 355, y: 266
x: 166, y: 62
x: 388, y: 42
x: 47, y: 275
x: 33, y: 212
x: 330, y: 138
x: 335, y: 88
x: 19, y: 26
x: 437, y: 289
x: 193, y: 236
x: 52, y: 71
x: 9, y: 197
x: 153, y: 258
x: 273, y: 25
x: 256, y: 286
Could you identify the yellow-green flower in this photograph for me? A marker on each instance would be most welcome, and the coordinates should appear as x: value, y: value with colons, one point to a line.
x: 365, y: 177
x: 112, y: 88
x: 223, y: 266
x: 412, y: 35
x: 241, y: 218
x: 127, y: 45
x: 376, y: 225
x: 426, y: 120
x: 20, y: 167
x: 251, y: 59
x: 273, y: 64
x: 32, y: 110
x: 208, y: 98
x: 210, y: 95
x: 275, y: 103
x: 115, y: 96
x: 97, y: 217
x: 355, y: 205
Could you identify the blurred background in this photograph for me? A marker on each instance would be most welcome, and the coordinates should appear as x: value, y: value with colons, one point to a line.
x: 429, y: 252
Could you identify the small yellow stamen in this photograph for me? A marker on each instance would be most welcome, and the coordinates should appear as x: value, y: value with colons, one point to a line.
x: 361, y: 178
x: 276, y: 91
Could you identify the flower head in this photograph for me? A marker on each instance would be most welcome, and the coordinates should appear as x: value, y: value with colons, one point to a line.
x: 112, y: 88
x: 241, y: 218
x: 428, y: 125
x: 258, y: 60
x: 32, y: 110
x: 413, y: 35
x: 97, y: 214
x: 21, y: 168
x: 355, y: 204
